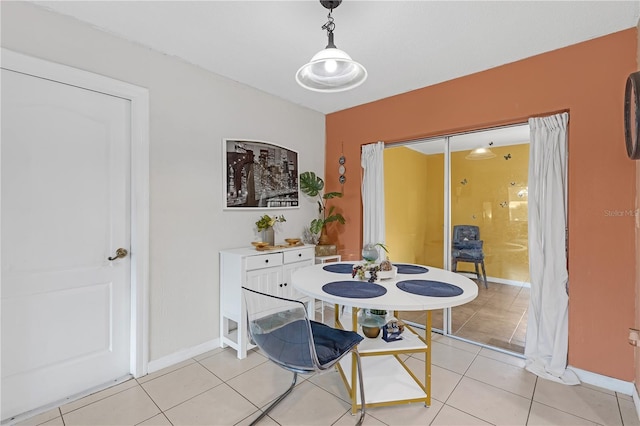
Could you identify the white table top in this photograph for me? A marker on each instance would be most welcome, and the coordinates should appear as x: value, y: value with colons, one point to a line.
x: 309, y: 280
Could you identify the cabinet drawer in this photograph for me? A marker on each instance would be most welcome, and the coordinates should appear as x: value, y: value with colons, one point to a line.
x: 297, y: 255
x: 264, y: 261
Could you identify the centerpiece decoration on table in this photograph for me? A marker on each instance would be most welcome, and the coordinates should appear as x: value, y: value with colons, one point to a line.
x: 265, y: 226
x: 369, y: 269
x: 373, y: 320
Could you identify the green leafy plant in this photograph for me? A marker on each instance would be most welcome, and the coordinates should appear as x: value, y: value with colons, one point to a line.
x: 312, y: 186
x: 382, y: 246
x: 266, y: 221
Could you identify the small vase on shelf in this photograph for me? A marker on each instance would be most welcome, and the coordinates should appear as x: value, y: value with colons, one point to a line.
x: 371, y: 320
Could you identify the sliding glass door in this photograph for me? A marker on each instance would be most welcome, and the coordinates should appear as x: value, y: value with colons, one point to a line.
x: 488, y: 209
x: 475, y: 183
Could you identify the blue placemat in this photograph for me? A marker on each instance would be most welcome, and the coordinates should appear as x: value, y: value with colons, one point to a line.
x: 354, y: 289
x: 429, y: 288
x: 339, y: 268
x: 411, y: 269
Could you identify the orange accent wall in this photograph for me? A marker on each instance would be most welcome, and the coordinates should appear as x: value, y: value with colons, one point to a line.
x: 586, y: 79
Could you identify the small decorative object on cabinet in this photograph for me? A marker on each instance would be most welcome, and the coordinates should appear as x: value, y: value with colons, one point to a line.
x: 267, y: 272
x: 265, y: 226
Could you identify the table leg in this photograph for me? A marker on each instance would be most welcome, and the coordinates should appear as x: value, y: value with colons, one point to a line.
x: 427, y: 362
x: 354, y: 375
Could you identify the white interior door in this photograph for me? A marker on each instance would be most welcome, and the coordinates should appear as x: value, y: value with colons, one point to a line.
x: 65, y: 210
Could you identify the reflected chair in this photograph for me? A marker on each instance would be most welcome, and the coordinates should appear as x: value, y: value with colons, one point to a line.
x: 282, y: 330
x: 468, y: 247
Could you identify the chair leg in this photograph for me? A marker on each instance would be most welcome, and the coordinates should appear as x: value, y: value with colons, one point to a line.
x: 277, y: 401
x: 478, y: 276
x: 484, y: 274
x: 362, y: 401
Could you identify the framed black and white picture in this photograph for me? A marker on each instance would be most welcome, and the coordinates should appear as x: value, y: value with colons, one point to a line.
x: 259, y: 175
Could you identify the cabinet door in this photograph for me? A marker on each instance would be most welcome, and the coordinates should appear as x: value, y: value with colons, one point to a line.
x: 287, y: 290
x: 266, y: 280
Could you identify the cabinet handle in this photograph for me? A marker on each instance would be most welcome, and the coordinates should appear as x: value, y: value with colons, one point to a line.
x: 299, y: 254
x: 266, y: 261
x: 280, y: 285
x: 285, y: 284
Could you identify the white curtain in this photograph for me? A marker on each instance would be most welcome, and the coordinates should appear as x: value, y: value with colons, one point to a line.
x: 373, y: 194
x: 547, y: 326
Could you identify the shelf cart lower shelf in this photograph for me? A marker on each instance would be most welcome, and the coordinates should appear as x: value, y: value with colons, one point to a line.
x: 387, y: 379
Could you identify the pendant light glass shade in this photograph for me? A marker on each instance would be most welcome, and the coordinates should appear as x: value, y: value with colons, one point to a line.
x: 480, y: 154
x: 331, y: 70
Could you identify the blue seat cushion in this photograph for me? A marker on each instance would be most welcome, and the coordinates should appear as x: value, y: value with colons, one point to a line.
x: 289, y: 345
x: 331, y: 342
x: 471, y: 249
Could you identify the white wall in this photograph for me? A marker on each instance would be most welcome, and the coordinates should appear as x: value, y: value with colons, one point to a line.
x: 191, y: 110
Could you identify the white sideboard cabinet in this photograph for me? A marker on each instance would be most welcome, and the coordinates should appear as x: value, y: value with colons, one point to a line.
x: 266, y: 271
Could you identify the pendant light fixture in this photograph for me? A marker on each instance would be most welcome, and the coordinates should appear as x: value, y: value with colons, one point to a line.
x: 331, y: 69
x: 480, y: 154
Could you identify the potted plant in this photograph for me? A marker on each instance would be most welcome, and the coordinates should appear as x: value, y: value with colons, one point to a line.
x: 265, y: 225
x: 312, y: 186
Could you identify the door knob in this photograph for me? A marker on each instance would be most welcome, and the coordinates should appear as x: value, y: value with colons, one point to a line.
x: 119, y: 254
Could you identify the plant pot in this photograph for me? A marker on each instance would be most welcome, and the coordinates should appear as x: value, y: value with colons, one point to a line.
x: 324, y: 238
x: 268, y: 236
x: 371, y: 332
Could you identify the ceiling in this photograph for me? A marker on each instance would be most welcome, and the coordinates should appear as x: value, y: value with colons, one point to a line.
x: 500, y: 136
x: 404, y: 45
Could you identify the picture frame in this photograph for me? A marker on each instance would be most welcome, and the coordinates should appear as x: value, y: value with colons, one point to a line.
x: 259, y: 175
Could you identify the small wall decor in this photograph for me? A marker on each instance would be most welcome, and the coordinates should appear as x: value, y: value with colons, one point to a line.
x: 504, y: 204
x: 259, y: 175
x: 341, y: 169
x: 507, y: 157
x: 464, y: 181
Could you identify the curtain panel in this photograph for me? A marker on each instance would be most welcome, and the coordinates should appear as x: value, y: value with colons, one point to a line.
x: 373, y: 220
x: 547, y: 328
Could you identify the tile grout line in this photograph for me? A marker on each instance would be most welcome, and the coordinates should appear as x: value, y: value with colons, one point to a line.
x: 154, y: 403
x: 619, y: 409
x: 535, y: 385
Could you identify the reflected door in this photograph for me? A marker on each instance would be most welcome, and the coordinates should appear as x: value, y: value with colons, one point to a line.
x: 414, y: 197
x: 478, y: 179
x: 488, y: 210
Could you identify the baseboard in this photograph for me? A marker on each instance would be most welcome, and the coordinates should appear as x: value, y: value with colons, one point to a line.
x: 616, y: 385
x: 497, y: 280
x: 636, y: 401
x: 182, y: 355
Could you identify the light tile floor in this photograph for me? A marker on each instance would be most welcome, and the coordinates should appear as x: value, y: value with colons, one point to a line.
x: 471, y: 386
x: 497, y: 317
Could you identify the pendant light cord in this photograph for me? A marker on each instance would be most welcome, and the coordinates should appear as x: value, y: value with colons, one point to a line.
x: 330, y: 26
